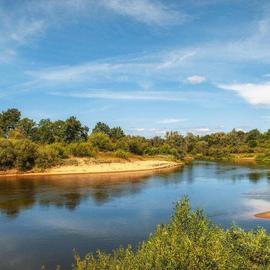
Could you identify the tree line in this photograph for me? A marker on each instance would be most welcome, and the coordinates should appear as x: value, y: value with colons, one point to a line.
x: 25, y: 144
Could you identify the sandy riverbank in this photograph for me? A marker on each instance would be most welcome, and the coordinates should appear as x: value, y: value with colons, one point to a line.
x: 263, y: 215
x: 86, y: 167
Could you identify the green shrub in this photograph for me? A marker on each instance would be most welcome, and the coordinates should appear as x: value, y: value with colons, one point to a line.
x: 26, y: 154
x: 60, y: 149
x: 81, y: 149
x: 121, y: 154
x: 101, y: 141
x: 7, y: 154
x: 190, y: 241
x: 47, y: 157
x: 152, y: 151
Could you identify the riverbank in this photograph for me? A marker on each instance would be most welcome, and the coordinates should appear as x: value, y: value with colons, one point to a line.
x: 263, y: 215
x: 100, y: 166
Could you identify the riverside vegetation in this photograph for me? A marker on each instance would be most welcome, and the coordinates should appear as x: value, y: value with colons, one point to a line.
x: 190, y: 241
x: 25, y: 144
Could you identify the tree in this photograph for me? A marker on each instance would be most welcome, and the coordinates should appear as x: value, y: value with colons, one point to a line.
x: 45, y: 131
x: 102, y: 127
x: 117, y: 133
x: 177, y: 142
x: 101, y: 141
x: 74, y: 131
x: 7, y: 154
x: 9, y: 120
x: 26, y: 154
x: 27, y: 127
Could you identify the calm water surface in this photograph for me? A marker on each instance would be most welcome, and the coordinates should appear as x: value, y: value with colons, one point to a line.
x: 43, y: 219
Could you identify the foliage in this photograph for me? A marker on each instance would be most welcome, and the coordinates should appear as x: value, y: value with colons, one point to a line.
x: 82, y: 149
x: 121, y: 154
x: 70, y: 137
x: 101, y: 141
x: 26, y: 154
x: 47, y: 157
x: 9, y: 120
x: 102, y: 128
x: 74, y: 131
x: 114, y: 133
x: 190, y: 241
x: 7, y: 154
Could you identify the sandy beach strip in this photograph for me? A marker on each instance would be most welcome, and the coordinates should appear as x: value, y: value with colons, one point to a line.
x: 103, y: 168
x: 263, y: 215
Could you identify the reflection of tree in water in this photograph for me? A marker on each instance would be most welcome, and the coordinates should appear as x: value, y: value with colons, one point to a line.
x: 69, y: 200
x: 255, y: 176
x: 17, y: 195
x: 105, y: 193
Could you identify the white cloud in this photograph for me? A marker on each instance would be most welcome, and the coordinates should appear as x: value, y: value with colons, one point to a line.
x: 130, y: 95
x: 255, y: 94
x: 171, y: 121
x: 201, y: 131
x: 146, y: 11
x: 196, y: 79
x: 142, y: 69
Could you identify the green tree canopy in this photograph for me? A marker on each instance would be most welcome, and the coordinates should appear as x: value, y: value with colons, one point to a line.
x: 9, y: 120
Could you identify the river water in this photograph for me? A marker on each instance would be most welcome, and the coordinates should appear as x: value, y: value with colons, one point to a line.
x: 43, y: 219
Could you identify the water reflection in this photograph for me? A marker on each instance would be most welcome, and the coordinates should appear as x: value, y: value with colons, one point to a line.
x: 18, y: 194
x: 43, y: 218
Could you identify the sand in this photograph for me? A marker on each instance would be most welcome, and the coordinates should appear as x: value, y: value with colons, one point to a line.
x: 263, y: 215
x: 104, y: 168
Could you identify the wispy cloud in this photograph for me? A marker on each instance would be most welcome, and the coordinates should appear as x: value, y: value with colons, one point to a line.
x: 196, y: 79
x: 146, y: 11
x: 130, y: 95
x: 142, y: 69
x: 255, y: 94
x: 171, y: 121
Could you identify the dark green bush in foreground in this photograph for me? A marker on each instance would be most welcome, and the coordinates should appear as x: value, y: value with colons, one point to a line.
x: 189, y: 241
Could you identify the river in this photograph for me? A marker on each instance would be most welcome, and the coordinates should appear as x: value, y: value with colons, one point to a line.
x: 43, y: 219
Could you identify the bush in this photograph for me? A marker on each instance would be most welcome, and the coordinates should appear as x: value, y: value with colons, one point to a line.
x: 81, y: 149
x: 59, y: 148
x: 26, y: 154
x: 264, y: 157
x: 190, y: 241
x: 151, y: 151
x: 47, y: 157
x: 101, y: 141
x: 7, y: 154
x: 121, y: 154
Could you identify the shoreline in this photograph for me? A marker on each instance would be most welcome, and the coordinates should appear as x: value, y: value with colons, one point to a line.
x: 113, y: 168
x: 265, y: 215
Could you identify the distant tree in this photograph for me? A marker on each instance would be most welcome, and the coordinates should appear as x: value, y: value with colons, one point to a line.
x: 74, y: 131
x: 101, y: 141
x: 176, y: 141
x: 45, y: 132
x: 102, y: 127
x: 116, y: 133
x: 59, y: 130
x: 27, y: 127
x: 9, y: 120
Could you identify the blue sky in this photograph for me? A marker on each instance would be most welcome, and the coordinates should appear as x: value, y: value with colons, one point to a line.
x: 146, y: 65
